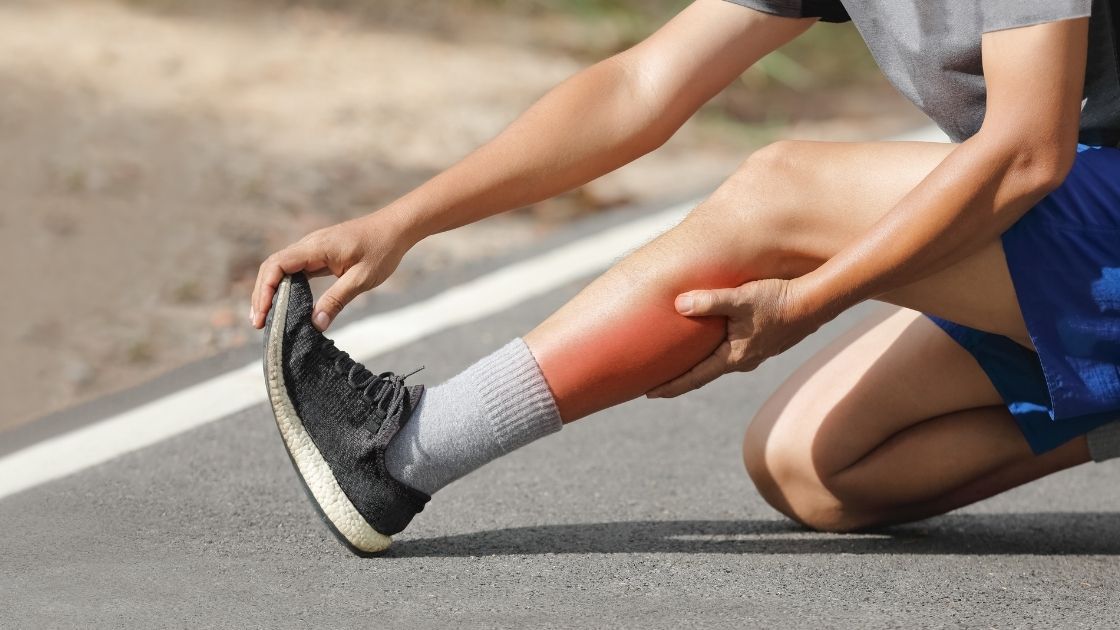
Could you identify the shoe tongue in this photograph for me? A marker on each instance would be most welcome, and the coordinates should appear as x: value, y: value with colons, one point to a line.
x: 415, y: 393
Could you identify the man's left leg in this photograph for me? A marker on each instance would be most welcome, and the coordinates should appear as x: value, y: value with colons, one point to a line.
x: 790, y: 206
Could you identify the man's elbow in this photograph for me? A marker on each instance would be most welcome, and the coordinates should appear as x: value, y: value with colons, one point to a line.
x: 1052, y: 169
x: 1041, y: 161
x: 1042, y: 169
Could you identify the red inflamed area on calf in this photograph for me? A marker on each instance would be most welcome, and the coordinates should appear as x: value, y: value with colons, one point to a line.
x: 622, y: 353
x: 621, y: 336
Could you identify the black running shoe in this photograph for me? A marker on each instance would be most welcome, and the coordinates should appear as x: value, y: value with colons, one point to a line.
x: 336, y: 419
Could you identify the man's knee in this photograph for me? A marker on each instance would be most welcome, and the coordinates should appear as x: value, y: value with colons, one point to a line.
x: 753, y: 211
x: 783, y: 471
x: 781, y: 157
x: 764, y: 196
x: 775, y: 171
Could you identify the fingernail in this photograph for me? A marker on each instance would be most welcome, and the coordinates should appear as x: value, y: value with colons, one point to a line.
x: 322, y: 320
x: 684, y: 303
x: 253, y: 315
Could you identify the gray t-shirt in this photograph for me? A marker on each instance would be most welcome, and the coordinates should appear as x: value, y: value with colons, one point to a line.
x: 930, y: 51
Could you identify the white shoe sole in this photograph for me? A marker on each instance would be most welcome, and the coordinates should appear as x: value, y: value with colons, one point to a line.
x: 317, y: 477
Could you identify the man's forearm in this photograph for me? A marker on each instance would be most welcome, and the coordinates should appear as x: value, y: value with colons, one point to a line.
x: 591, y: 124
x: 971, y: 198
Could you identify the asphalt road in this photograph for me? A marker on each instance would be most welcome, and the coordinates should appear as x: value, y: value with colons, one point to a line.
x: 638, y: 517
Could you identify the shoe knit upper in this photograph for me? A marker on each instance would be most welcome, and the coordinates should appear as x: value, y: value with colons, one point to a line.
x: 348, y: 413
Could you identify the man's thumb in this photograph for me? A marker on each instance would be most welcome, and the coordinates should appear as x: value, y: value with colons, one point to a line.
x: 331, y: 303
x: 699, y: 303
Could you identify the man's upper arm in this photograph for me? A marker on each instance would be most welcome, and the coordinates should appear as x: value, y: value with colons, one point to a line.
x: 1035, y: 76
x: 703, y: 49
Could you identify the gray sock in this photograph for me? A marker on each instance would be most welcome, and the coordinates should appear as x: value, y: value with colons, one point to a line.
x: 495, y: 406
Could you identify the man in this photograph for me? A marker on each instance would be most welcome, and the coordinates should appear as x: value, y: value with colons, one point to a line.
x: 1000, y: 249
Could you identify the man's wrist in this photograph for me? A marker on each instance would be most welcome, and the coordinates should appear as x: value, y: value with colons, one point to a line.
x: 406, y: 223
x: 820, y: 296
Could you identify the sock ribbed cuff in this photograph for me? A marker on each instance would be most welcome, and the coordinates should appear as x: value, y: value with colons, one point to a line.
x: 515, y: 396
x: 1104, y: 442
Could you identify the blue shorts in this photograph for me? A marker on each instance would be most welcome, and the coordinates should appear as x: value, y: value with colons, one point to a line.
x: 1064, y: 259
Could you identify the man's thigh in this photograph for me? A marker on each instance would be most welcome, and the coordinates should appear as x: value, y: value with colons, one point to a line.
x: 891, y: 372
x: 822, y: 197
x: 892, y: 422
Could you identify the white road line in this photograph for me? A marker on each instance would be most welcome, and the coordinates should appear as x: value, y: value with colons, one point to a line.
x: 243, y: 387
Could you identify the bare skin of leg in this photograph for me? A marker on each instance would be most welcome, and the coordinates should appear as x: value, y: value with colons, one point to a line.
x: 789, y: 208
x: 894, y: 421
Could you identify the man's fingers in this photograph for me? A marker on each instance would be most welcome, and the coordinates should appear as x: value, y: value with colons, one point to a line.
x: 268, y: 278
x: 331, y: 303
x: 272, y: 271
x: 706, y: 302
x: 708, y: 370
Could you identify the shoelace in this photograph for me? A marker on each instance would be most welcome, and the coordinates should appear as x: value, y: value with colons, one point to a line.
x: 385, y: 391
